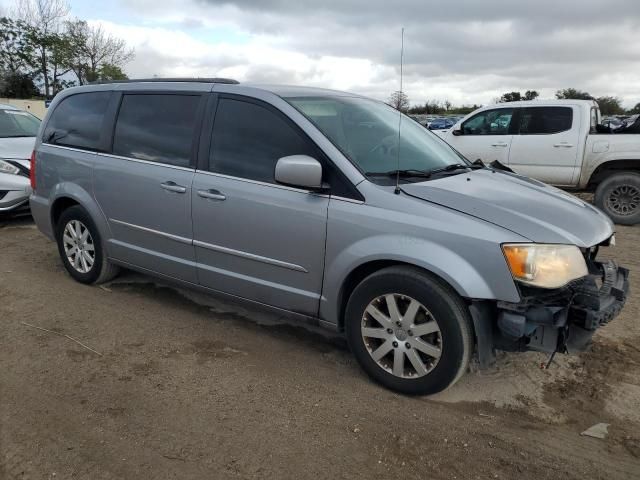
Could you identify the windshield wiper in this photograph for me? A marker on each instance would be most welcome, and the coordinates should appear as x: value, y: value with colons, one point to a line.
x: 401, y: 173
x: 16, y: 136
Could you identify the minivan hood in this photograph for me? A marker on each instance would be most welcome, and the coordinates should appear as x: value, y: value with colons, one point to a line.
x: 18, y: 148
x: 530, y: 208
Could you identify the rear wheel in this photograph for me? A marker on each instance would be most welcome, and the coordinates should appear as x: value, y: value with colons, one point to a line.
x: 409, y: 331
x: 619, y: 197
x: 80, y: 247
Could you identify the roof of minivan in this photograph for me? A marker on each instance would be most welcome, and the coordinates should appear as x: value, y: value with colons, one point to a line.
x: 226, y: 84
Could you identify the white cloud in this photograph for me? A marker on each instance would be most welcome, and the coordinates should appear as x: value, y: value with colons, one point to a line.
x: 467, y: 51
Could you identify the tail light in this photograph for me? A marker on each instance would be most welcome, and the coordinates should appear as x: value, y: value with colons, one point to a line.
x: 32, y: 171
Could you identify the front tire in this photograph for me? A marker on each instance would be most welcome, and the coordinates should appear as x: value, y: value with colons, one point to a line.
x: 409, y: 330
x: 80, y: 247
x: 619, y: 197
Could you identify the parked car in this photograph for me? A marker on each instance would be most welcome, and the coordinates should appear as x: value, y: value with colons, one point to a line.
x: 558, y: 142
x: 18, y: 131
x: 612, y: 123
x: 441, y: 124
x: 299, y: 201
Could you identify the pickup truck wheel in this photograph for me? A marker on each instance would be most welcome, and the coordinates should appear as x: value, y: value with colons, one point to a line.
x: 619, y: 197
x: 409, y: 331
x: 80, y: 247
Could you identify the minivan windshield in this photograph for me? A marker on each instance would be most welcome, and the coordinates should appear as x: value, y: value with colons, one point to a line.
x: 366, y: 131
x: 16, y: 123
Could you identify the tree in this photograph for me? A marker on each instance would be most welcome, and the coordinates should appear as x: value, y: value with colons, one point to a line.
x: 43, y: 19
x: 610, y: 105
x: 447, y: 105
x: 93, y: 52
x: 110, y: 72
x: 399, y: 101
x: 17, y: 85
x: 16, y: 48
x: 574, y: 94
x: 511, y: 97
x: 517, y: 96
x: 635, y: 109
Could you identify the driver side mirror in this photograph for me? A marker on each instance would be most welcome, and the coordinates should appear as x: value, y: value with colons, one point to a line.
x: 300, y: 171
x: 456, y: 131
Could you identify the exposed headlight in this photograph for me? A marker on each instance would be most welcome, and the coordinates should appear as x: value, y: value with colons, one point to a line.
x: 544, y: 265
x: 6, y: 167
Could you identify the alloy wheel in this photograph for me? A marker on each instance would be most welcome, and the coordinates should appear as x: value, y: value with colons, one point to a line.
x: 624, y: 200
x: 78, y: 246
x: 401, y: 335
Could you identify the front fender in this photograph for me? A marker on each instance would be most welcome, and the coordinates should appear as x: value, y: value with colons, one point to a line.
x: 486, y: 278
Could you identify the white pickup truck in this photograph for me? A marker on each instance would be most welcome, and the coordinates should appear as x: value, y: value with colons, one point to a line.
x: 558, y: 142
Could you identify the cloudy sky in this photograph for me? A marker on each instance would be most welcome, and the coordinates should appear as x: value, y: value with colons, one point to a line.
x: 466, y: 51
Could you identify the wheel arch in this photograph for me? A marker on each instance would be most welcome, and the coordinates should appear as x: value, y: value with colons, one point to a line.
x: 468, y: 283
x: 66, y: 195
x: 610, y: 167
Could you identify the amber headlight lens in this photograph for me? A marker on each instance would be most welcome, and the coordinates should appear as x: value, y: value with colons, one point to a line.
x: 545, y: 266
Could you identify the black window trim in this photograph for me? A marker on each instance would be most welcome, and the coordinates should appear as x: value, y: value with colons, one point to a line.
x: 522, y: 111
x: 195, y: 140
x: 102, y: 144
x: 206, y: 143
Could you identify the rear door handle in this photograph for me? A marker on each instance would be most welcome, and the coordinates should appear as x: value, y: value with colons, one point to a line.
x: 565, y: 145
x: 499, y: 144
x: 173, y: 187
x: 212, y: 194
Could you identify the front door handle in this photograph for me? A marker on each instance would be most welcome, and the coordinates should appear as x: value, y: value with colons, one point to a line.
x: 211, y: 194
x: 563, y: 144
x: 173, y: 187
x: 500, y: 144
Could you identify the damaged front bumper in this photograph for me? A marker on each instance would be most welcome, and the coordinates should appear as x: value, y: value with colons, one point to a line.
x: 561, y: 320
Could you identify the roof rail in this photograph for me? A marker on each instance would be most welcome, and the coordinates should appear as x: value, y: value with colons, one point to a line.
x: 229, y: 81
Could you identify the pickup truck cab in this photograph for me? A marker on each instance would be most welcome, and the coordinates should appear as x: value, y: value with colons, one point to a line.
x: 557, y: 142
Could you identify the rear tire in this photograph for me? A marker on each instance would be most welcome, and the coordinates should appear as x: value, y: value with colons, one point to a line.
x: 80, y: 247
x: 619, y: 197
x: 427, y: 335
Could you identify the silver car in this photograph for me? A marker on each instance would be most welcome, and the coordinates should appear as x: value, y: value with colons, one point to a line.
x: 326, y: 207
x: 18, y: 131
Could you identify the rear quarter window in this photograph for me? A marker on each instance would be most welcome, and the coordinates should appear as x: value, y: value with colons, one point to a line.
x: 78, y: 121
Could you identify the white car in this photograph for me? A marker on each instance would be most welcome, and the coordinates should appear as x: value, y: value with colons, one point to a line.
x: 18, y: 130
x: 558, y: 142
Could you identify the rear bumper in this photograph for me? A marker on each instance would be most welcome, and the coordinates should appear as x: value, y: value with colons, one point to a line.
x: 40, y: 211
x: 565, y: 320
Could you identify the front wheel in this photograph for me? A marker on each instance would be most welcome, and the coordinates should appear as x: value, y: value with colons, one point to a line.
x: 619, y: 197
x: 409, y: 331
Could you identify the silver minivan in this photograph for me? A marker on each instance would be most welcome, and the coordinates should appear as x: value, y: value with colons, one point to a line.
x: 326, y: 207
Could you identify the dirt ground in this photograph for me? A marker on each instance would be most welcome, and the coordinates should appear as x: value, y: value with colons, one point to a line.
x: 185, y: 387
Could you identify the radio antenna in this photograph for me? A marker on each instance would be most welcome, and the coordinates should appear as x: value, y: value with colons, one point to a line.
x: 400, y: 97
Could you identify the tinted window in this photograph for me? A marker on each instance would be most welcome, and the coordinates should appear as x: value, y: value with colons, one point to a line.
x: 545, y: 120
x: 489, y: 122
x: 157, y: 127
x: 248, y: 140
x: 77, y: 121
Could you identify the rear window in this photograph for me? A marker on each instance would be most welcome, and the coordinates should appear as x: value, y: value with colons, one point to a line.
x: 156, y: 127
x: 545, y: 120
x: 78, y: 121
